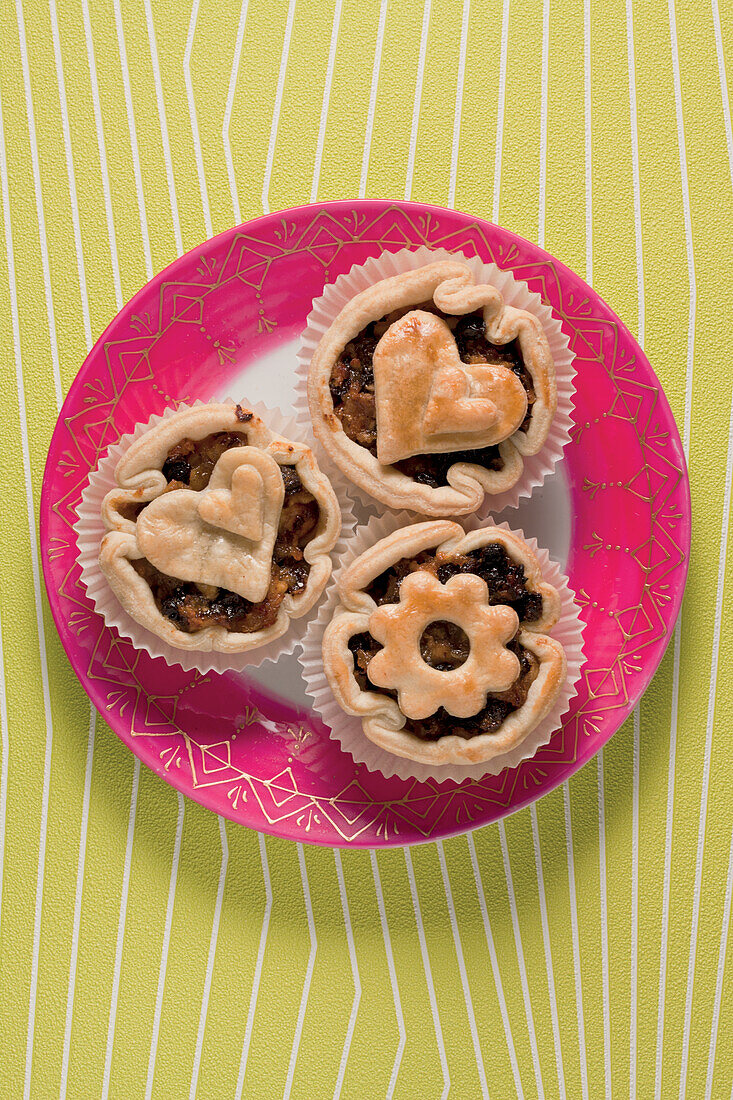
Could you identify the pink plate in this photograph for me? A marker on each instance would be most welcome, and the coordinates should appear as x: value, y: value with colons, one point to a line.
x: 264, y: 760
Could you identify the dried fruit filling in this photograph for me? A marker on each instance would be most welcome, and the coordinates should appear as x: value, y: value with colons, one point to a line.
x: 352, y: 390
x: 190, y: 463
x: 445, y: 646
x: 441, y: 724
x: 504, y: 578
x: 191, y: 607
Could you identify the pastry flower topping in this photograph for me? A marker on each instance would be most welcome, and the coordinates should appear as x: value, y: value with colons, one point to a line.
x: 422, y: 689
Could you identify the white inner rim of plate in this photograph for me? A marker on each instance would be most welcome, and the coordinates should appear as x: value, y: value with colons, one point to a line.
x: 546, y: 515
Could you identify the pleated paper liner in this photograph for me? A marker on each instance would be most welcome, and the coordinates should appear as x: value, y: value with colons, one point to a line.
x: 347, y: 729
x: 90, y: 530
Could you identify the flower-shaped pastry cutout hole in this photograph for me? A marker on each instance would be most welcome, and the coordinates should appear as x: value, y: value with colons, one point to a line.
x: 399, y: 666
x: 444, y: 645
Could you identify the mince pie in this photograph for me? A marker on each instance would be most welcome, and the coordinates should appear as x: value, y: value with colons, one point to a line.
x: 427, y: 390
x: 439, y: 643
x: 219, y: 532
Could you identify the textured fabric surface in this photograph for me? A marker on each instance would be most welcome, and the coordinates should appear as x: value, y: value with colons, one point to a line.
x: 579, y: 949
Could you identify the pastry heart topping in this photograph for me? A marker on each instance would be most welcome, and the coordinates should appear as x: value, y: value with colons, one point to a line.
x: 399, y: 665
x: 224, y: 535
x: 429, y: 401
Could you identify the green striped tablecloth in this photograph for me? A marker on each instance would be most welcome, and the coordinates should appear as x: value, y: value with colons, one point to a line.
x: 148, y: 949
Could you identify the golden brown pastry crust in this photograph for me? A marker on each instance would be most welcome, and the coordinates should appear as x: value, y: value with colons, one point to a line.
x: 417, y: 367
x: 140, y: 480
x: 480, y: 404
x: 382, y: 719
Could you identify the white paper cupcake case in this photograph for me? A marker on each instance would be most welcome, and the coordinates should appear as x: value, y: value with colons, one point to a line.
x: 347, y: 729
x: 516, y: 293
x: 90, y: 530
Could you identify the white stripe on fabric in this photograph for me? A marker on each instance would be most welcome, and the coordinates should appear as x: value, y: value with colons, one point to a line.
x: 462, y: 972
x: 692, y: 282
x: 258, y: 968
x: 723, y: 86
x: 729, y: 883
x: 417, y: 98
x: 120, y: 931
x: 326, y: 100
x: 228, y: 111
x: 605, y: 978
x: 392, y: 976
x: 634, y: 964
x: 167, y: 159
x: 460, y: 81
x: 137, y: 172
x: 709, y: 731
x: 210, y: 959
x: 354, y: 974
x: 193, y: 117
x: 308, y: 974
x: 276, y: 109
x: 78, y: 896
x: 165, y: 947
x: 520, y: 961
x: 428, y: 973
x: 495, y: 967
x: 721, y: 973
x: 372, y: 99
x: 576, y: 941
x: 691, y: 276
x: 543, y: 121
x: 102, y: 148
x: 71, y: 175
x: 500, y: 109
x: 38, y: 193
x: 640, y: 325
x: 36, y: 574
x: 667, y: 879
x: 548, y: 949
